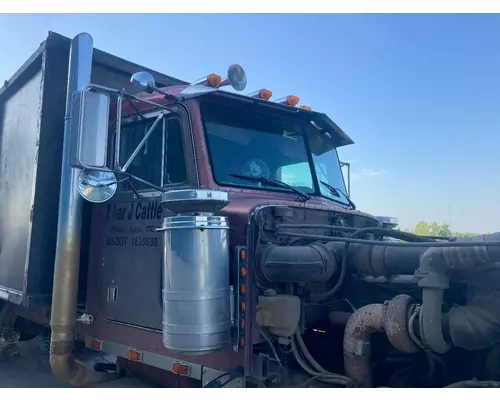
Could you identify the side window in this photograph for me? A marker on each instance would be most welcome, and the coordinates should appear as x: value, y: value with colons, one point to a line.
x: 162, y: 159
x: 175, y: 159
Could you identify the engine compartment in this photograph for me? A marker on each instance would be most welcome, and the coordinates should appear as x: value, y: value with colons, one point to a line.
x: 339, y: 306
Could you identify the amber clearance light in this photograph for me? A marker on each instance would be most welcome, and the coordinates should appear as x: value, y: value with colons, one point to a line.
x: 289, y: 100
x: 263, y: 94
x: 292, y: 100
x: 214, y: 80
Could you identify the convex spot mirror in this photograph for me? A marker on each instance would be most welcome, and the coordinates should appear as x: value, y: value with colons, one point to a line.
x: 89, y: 130
x: 97, y: 186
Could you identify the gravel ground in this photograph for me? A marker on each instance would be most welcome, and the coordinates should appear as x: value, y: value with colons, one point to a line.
x: 30, y: 368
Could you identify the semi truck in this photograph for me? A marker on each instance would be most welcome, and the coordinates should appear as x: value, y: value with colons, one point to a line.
x: 196, y: 236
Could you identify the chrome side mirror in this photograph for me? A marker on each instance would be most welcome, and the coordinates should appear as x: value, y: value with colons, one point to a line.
x: 89, y: 130
x: 144, y: 80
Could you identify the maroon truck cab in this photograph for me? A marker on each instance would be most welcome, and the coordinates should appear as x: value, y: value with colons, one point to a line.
x: 193, y: 236
x: 203, y: 137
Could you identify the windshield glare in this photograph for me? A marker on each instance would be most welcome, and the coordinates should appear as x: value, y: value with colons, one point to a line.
x: 246, y: 143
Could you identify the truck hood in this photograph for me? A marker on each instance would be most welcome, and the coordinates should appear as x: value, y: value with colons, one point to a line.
x: 244, y: 202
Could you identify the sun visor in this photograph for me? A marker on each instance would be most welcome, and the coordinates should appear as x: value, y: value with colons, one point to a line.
x: 324, y: 125
x: 329, y: 134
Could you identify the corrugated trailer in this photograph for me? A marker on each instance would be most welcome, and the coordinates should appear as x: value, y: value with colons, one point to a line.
x: 32, y: 114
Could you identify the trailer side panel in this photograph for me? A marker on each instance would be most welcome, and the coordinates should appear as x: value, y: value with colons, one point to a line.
x: 45, y: 201
x: 32, y: 107
x: 19, y: 141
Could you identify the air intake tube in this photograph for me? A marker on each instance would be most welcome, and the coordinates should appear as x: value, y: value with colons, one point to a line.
x: 315, y: 262
x: 433, y: 279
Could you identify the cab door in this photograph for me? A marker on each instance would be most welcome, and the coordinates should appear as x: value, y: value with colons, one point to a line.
x: 130, y: 270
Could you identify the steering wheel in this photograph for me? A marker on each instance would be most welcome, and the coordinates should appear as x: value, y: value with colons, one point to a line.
x: 256, y: 168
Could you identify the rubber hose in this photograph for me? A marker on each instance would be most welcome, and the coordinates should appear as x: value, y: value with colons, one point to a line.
x: 431, y: 317
x: 308, y: 355
x: 324, y: 377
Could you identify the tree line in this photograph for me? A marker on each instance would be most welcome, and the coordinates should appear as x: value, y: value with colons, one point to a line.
x: 436, y: 229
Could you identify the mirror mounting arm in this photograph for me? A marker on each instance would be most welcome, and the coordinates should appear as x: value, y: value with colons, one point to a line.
x: 131, y: 103
x: 136, y: 193
x: 160, y: 189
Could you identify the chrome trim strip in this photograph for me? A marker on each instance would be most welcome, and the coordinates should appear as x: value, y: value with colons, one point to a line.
x: 148, y: 358
x: 198, y: 372
x: 11, y: 295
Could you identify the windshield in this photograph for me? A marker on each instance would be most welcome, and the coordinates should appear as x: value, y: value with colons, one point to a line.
x: 258, y: 145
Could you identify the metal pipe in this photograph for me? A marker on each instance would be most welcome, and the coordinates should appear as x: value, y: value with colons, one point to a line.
x: 163, y: 152
x: 357, y: 334
x: 69, y: 226
x: 119, y: 104
x: 391, y: 318
x: 349, y: 179
x: 105, y: 89
x: 314, y: 262
x: 383, y: 261
x: 430, y: 244
x: 392, y: 280
x: 395, y: 322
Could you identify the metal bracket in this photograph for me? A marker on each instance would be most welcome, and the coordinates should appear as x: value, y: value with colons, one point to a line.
x: 432, y: 280
x: 260, y: 367
x: 356, y: 347
x: 86, y: 319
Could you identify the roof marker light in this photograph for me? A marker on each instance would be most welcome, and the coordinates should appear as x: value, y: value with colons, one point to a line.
x: 212, y: 80
x: 263, y: 94
x: 236, y: 78
x: 289, y: 101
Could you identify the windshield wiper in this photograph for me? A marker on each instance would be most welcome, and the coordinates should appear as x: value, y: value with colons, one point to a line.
x: 336, y: 191
x: 272, y: 182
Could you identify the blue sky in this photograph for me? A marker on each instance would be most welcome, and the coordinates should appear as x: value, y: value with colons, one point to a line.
x: 419, y: 94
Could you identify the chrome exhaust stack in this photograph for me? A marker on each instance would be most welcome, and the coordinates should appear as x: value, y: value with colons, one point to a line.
x: 69, y: 227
